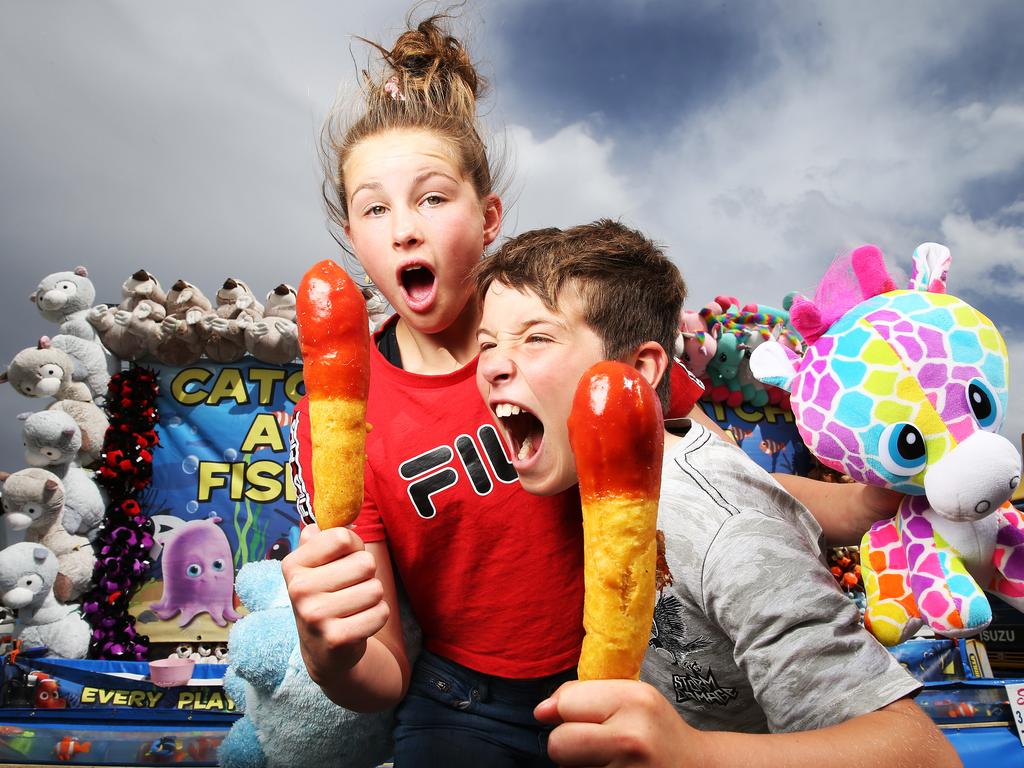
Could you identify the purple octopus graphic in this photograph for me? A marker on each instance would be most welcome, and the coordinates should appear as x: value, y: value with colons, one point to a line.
x: 198, y: 574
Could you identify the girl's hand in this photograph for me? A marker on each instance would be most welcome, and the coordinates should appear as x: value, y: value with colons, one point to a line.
x: 337, y: 599
x: 617, y: 723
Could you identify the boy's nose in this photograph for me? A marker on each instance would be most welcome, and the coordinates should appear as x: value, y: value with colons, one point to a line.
x: 496, y: 366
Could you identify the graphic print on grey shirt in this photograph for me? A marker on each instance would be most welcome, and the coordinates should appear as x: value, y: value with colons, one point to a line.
x: 751, y: 632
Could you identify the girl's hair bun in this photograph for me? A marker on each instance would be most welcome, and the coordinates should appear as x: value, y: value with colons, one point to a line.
x: 432, y: 67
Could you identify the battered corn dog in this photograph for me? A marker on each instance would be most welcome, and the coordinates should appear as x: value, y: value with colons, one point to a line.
x: 617, y: 437
x: 335, y: 340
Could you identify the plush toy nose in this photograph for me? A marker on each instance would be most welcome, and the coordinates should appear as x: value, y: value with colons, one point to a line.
x: 53, y: 300
x: 18, y: 521
x: 974, y: 479
x: 18, y: 597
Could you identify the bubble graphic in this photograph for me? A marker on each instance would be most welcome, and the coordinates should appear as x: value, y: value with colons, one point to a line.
x: 192, y: 507
x: 190, y: 464
x: 230, y: 454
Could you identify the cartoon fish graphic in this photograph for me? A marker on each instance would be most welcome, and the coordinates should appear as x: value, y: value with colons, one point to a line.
x: 69, y: 746
x: 48, y: 695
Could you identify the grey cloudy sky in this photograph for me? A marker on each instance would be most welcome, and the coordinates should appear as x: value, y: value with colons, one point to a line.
x: 755, y: 140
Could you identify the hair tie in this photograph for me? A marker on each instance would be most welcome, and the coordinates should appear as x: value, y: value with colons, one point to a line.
x: 391, y: 89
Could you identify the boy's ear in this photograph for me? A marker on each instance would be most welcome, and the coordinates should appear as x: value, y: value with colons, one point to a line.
x: 651, y: 360
x: 492, y: 218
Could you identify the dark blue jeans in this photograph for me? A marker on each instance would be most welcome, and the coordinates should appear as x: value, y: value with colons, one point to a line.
x: 454, y: 717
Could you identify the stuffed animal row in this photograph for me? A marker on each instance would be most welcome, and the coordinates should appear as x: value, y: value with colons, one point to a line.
x: 715, y: 344
x: 55, y: 503
x: 182, y: 325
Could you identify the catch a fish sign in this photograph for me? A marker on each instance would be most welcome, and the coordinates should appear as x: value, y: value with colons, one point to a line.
x: 222, y: 491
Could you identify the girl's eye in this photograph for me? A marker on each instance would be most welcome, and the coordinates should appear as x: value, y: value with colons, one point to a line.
x: 376, y: 210
x: 433, y: 200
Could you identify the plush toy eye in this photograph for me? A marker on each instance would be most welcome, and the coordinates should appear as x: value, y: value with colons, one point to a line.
x: 67, y: 287
x: 32, y: 510
x: 31, y: 581
x: 901, y: 449
x: 50, y: 453
x: 194, y: 570
x: 984, y: 404
x: 217, y: 565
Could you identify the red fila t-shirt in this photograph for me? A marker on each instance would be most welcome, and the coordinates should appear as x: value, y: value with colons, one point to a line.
x: 494, y: 575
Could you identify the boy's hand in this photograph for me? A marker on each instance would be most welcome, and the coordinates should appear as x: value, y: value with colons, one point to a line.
x: 336, y: 597
x: 878, y: 504
x: 617, y: 723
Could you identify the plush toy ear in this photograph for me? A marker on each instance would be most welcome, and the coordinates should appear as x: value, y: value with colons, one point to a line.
x: 81, y: 271
x: 869, y: 266
x: 806, y: 318
x: 3, y: 377
x: 931, y: 268
x: 775, y: 364
x: 40, y: 553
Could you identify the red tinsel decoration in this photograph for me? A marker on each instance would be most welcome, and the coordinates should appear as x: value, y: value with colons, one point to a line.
x: 126, y: 536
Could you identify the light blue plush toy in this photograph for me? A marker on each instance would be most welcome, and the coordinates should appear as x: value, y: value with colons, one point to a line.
x: 288, y: 720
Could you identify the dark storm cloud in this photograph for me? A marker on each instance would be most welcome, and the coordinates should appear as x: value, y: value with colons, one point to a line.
x: 632, y: 67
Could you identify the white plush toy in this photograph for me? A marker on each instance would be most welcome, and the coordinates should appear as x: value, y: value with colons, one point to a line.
x: 47, y: 436
x: 130, y: 329
x: 27, y: 573
x: 85, y: 503
x: 275, y: 338
x: 237, y: 308
x: 90, y: 358
x: 33, y: 501
x: 65, y: 298
x: 377, y: 308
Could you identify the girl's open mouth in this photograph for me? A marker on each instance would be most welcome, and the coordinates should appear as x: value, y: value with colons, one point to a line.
x: 419, y: 287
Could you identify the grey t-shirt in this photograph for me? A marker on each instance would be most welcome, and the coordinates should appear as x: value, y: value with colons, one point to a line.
x: 752, y: 633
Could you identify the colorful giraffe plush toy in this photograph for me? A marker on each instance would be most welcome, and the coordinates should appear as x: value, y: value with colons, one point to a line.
x: 906, y: 389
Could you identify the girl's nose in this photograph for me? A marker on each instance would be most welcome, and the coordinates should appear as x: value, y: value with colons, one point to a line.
x: 405, y: 230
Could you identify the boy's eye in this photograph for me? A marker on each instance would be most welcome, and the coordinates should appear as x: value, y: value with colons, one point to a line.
x: 535, y: 339
x: 486, y: 345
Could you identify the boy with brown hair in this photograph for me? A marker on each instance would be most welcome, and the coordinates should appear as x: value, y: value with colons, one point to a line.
x: 752, y: 639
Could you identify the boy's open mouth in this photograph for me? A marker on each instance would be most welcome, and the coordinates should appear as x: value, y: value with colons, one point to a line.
x: 418, y: 283
x: 524, y: 431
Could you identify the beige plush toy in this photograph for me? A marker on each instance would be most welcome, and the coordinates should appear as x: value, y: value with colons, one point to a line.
x: 237, y: 308
x: 182, y: 334
x: 123, y: 329
x: 33, y: 501
x: 275, y: 338
x: 43, y: 371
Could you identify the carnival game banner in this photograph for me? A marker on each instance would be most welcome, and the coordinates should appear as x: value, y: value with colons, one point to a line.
x: 768, y: 435
x: 221, y: 495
